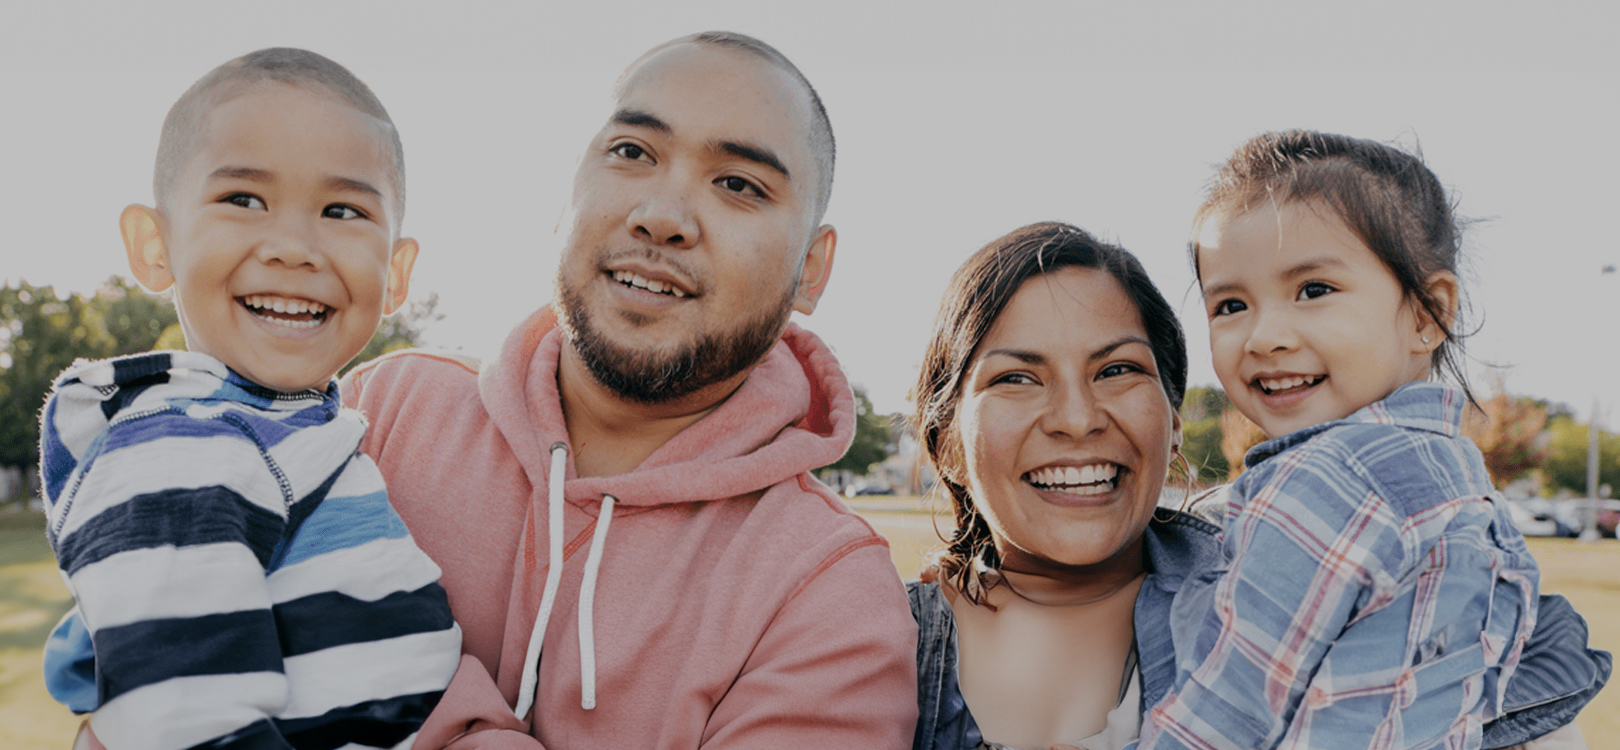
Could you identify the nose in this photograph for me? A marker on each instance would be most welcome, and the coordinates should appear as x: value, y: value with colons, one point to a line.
x: 292, y: 242
x: 1074, y: 412
x: 1272, y: 332
x: 664, y: 218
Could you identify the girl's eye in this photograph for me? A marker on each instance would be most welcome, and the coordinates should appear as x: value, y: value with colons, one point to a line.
x: 737, y: 185
x: 245, y: 200
x: 1228, y: 306
x: 1314, y: 289
x: 630, y: 151
x: 340, y: 211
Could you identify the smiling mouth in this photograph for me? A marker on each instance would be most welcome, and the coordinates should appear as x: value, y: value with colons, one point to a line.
x: 637, y: 281
x: 289, y: 312
x: 1092, y: 479
x: 1295, y: 384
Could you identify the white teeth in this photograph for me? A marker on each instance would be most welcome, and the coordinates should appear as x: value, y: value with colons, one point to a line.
x: 1273, y: 385
x: 1089, y: 479
x: 287, y: 306
x: 642, y: 282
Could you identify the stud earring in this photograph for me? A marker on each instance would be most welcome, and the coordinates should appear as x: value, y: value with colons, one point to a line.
x: 1425, y: 339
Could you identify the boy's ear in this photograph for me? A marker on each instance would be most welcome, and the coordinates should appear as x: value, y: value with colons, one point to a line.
x: 399, y: 274
x: 143, y: 242
x: 817, y: 269
x: 1443, y: 287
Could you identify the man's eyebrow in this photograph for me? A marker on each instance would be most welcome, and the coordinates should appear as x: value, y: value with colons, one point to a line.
x: 242, y: 173
x: 751, y: 152
x: 636, y: 118
x: 351, y: 185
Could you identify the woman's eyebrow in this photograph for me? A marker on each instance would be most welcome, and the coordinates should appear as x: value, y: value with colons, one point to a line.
x: 1108, y: 349
x: 1022, y: 355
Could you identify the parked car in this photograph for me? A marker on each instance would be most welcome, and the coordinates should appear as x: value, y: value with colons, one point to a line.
x: 1540, y: 517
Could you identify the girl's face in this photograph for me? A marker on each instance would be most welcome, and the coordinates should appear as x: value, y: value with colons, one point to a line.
x: 1065, y: 429
x: 1306, y: 324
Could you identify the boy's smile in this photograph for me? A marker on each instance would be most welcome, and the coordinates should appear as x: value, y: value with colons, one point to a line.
x: 280, y: 241
x: 1306, y: 324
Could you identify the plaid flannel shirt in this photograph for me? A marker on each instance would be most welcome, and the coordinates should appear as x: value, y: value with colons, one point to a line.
x: 1372, y: 593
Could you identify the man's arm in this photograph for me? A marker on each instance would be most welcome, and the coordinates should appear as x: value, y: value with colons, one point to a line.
x: 836, y: 668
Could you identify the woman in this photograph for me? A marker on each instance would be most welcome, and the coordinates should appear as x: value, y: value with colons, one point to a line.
x: 1048, y: 403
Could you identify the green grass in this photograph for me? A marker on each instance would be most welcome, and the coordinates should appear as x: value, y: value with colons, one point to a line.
x: 32, y: 599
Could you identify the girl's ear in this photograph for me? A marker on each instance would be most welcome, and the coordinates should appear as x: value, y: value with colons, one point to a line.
x: 142, y: 229
x: 1443, y: 289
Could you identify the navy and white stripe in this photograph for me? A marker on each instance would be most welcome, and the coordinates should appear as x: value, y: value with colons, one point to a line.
x: 226, y: 601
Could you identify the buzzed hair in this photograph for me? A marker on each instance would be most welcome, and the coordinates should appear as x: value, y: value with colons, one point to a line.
x: 822, y: 146
x: 286, y: 65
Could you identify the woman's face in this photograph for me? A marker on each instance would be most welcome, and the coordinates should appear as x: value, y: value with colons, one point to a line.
x: 1065, y: 429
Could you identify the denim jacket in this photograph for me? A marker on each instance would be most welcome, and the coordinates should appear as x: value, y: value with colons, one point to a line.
x: 1557, y: 675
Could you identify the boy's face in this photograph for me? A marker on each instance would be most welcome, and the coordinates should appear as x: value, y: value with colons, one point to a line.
x: 280, y: 238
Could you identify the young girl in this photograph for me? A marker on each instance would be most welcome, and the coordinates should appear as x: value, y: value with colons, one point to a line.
x: 1373, y: 594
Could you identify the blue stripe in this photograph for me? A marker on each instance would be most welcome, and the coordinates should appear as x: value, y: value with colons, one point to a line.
x: 151, y: 651
x: 172, y: 424
x: 56, y: 461
x: 344, y: 522
x: 127, y: 369
x: 178, y: 518
x: 320, y: 621
x: 380, y: 723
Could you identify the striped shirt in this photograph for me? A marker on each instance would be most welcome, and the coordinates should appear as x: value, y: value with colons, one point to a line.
x: 1372, y: 593
x: 236, y: 564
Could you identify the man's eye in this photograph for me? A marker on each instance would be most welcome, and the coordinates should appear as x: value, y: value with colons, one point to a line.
x: 340, y: 211
x: 629, y: 151
x: 1229, y: 306
x: 737, y: 185
x: 1314, y: 289
x: 245, y: 200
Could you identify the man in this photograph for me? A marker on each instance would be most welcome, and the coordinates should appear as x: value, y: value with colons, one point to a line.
x: 621, y: 502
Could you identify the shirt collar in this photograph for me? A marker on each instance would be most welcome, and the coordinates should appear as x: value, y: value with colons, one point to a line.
x: 1420, y: 405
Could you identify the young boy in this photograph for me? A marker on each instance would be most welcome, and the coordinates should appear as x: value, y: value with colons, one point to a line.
x: 237, y: 566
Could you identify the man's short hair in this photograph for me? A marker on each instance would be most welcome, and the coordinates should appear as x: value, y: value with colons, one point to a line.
x: 822, y: 146
x: 293, y: 67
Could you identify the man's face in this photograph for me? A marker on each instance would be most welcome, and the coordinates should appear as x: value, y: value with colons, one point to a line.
x: 692, y: 212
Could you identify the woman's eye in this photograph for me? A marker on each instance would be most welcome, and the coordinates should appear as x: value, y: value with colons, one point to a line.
x: 1229, y: 306
x: 1119, y: 368
x: 737, y: 185
x: 629, y: 151
x: 340, y: 211
x: 245, y: 200
x: 1314, y: 289
x: 1013, y: 378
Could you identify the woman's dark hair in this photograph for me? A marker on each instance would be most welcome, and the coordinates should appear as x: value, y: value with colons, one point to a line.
x: 1394, y: 204
x: 977, y: 294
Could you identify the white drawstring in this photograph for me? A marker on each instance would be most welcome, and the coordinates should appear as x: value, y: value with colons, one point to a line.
x: 537, y: 637
x: 587, y: 602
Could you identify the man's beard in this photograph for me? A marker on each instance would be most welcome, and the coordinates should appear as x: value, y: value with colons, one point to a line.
x: 656, y: 378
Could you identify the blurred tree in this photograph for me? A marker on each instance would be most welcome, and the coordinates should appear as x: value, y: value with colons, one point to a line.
x: 873, y: 441
x: 401, y: 330
x: 1201, y: 433
x: 1238, y: 435
x: 1507, y: 430
x: 1565, y: 467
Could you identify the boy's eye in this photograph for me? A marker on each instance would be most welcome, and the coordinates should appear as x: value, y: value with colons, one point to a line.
x: 1227, y: 307
x: 738, y: 185
x: 630, y: 151
x: 245, y: 200
x: 340, y: 211
x: 1314, y: 289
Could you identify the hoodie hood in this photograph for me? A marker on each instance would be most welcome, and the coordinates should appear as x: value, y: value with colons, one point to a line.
x: 792, y: 414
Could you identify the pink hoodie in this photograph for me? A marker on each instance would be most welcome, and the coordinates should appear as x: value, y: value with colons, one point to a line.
x: 737, y: 603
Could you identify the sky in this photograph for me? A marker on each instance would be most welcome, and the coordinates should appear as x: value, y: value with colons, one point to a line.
x: 956, y: 123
